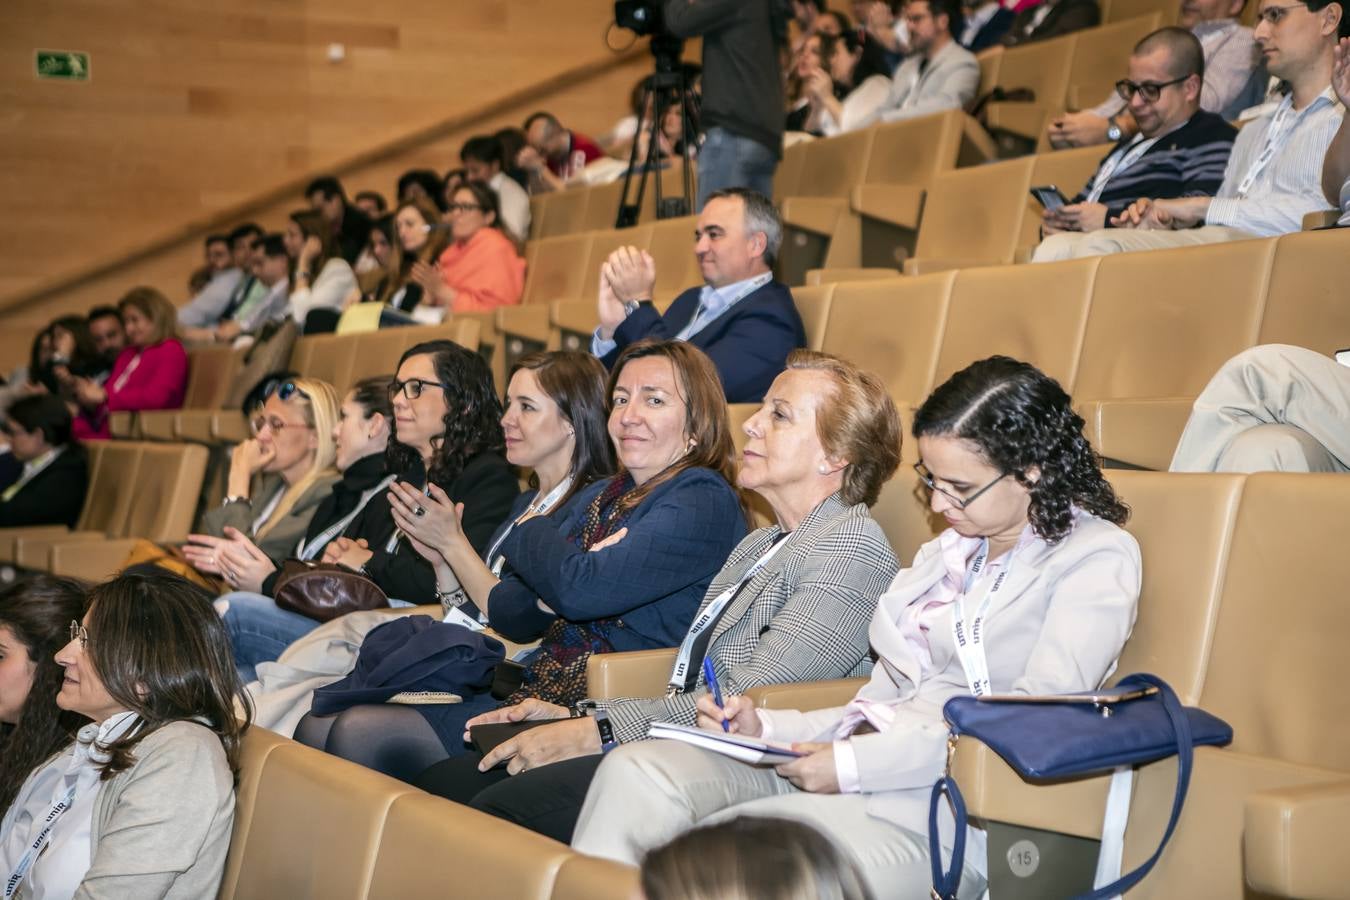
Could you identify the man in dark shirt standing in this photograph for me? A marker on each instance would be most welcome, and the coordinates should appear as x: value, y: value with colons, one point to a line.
x: 742, y: 110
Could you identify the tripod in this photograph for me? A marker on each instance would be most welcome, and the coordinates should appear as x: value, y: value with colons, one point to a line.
x: 670, y: 78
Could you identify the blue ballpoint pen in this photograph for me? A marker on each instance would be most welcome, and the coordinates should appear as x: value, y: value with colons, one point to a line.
x: 711, y: 677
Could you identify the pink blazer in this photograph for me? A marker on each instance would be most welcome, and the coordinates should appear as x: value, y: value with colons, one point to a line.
x: 153, y: 377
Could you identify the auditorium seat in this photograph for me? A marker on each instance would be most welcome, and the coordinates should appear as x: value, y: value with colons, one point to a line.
x: 1043, y: 68
x: 816, y: 277
x: 1306, y: 298
x: 566, y: 213
x: 574, y: 322
x: 672, y: 186
x: 971, y: 217
x: 818, y: 228
x: 1101, y: 57
x: 211, y: 373
x: 671, y: 245
x: 556, y: 268
x: 602, y: 205
x: 330, y: 358
x: 1068, y: 170
x: 638, y: 673
x: 1123, y: 10
x: 538, y: 214
x: 893, y: 328
x: 1160, y: 325
x: 591, y: 878
x: 1032, y: 313
x: 256, y: 746
x: 786, y: 178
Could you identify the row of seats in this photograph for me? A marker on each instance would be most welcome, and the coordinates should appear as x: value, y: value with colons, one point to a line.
x: 1261, y: 812
x: 136, y: 490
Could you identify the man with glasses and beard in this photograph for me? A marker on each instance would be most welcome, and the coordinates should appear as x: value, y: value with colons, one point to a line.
x: 1179, y: 151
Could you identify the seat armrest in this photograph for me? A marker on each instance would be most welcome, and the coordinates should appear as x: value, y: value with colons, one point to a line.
x: 34, y: 551
x: 228, y: 427
x: 1293, y: 840
x: 124, y: 425
x: 816, y: 277
x: 896, y: 204
x: 157, y: 424
x: 528, y: 322
x: 1139, y: 432
x: 923, y: 265
x: 92, y: 561
x: 195, y: 425
x: 640, y: 673
x: 818, y: 215
x: 807, y: 695
x: 1025, y: 120
x: 9, y: 535
x: 1323, y: 218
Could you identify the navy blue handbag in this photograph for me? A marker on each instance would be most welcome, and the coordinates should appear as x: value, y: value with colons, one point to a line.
x: 1059, y: 739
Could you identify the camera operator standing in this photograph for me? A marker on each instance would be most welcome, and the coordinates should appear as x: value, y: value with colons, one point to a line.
x: 742, y: 108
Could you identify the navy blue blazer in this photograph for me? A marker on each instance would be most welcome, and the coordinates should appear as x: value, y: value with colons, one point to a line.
x: 748, y: 343
x: 653, y: 580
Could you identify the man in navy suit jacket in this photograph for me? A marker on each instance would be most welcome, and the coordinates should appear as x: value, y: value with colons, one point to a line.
x: 743, y: 319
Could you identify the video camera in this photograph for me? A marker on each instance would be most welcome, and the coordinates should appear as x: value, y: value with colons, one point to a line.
x: 642, y: 17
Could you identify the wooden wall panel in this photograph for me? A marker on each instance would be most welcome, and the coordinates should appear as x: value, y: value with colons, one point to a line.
x: 195, y: 106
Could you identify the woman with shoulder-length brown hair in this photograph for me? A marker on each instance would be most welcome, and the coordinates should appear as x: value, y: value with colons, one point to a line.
x: 413, y: 237
x: 624, y: 568
x: 142, y: 803
x: 321, y: 278
x: 150, y: 373
x: 481, y: 268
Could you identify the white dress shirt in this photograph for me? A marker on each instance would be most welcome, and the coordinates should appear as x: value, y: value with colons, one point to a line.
x: 513, y: 204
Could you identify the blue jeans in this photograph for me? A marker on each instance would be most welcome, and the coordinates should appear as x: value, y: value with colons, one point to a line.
x: 260, y: 630
x: 728, y: 160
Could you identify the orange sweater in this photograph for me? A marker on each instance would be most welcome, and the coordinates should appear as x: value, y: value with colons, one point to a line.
x: 484, y: 271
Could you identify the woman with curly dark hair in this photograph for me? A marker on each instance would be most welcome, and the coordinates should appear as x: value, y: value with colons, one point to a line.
x: 35, y: 617
x: 1031, y: 590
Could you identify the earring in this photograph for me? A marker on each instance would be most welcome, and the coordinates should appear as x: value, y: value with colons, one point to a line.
x: 822, y: 469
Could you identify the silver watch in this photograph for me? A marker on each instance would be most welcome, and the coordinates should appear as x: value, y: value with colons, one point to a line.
x: 1113, y: 131
x: 630, y: 307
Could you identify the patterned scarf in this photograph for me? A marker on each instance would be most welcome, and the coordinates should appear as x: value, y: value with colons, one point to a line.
x: 557, y: 671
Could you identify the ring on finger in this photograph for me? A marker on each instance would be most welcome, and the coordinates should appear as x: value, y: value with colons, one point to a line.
x: 419, y: 511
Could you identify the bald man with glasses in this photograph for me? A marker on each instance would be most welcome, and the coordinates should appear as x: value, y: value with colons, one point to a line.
x: 1274, y: 176
x: 1179, y: 151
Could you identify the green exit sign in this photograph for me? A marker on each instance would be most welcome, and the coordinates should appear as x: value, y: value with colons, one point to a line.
x: 63, y: 65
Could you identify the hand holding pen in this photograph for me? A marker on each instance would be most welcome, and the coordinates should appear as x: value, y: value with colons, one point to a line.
x: 736, y: 714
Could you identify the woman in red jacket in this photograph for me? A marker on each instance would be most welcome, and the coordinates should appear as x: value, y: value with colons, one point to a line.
x: 481, y: 268
x: 151, y: 373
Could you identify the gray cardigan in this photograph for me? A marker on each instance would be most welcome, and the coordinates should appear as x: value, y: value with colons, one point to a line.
x: 161, y: 828
x: 279, y: 543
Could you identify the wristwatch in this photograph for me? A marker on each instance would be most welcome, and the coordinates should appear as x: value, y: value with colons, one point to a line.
x: 1113, y: 131
x: 602, y: 723
x: 234, y: 499
x: 631, y: 306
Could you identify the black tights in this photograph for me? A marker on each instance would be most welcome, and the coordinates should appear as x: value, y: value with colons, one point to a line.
x: 388, y: 738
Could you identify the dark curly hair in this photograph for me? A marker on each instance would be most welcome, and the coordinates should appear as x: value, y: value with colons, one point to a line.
x: 37, y: 611
x: 473, y: 413
x: 1021, y: 419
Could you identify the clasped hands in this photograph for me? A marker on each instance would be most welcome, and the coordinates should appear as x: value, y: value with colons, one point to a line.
x: 628, y: 274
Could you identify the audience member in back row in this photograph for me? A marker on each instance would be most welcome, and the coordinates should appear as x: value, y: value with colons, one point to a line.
x: 424, y: 185
x: 35, y: 617
x: 484, y: 163
x: 372, y: 203
x: 939, y: 74
x: 984, y: 24
x: 1336, y: 171
x: 277, y: 478
x: 398, y: 243
x: 1271, y: 408
x: 1273, y: 177
x: 228, y: 258
x: 141, y: 804
x: 259, y: 630
x: 105, y: 328
x: 73, y: 356
x: 272, y: 269
x: 742, y: 318
x: 150, y: 373
x: 480, y: 269
x: 623, y: 570
x: 1233, y: 81
x: 1052, y: 18
x: 322, y: 279
x: 820, y: 448
x: 50, y: 488
x: 833, y: 112
x: 742, y: 103
x: 348, y: 226
x: 1034, y: 541
x: 554, y: 155
x: 1179, y: 151
x: 804, y: 108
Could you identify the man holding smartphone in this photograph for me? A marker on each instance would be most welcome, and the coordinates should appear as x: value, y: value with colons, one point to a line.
x: 1179, y: 151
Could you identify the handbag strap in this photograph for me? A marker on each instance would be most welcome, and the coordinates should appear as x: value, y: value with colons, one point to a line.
x: 946, y: 883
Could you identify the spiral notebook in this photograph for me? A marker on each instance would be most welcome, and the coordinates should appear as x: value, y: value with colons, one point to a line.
x: 750, y: 750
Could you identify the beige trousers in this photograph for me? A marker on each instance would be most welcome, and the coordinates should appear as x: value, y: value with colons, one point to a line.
x: 1271, y: 408
x: 646, y: 793
x: 1075, y: 244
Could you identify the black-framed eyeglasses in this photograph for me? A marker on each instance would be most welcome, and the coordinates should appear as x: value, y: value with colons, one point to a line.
x: 1275, y: 14
x: 959, y: 502
x: 412, y: 388
x: 1149, y: 90
x: 463, y: 207
x: 79, y: 633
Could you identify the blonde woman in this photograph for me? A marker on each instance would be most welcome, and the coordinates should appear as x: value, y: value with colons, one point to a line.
x: 278, y: 478
x: 150, y: 373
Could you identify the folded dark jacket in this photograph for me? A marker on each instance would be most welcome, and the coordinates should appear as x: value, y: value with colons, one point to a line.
x: 414, y: 653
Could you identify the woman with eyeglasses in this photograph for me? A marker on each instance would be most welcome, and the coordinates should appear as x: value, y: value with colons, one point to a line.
x: 259, y: 629
x: 277, y: 478
x: 1031, y: 589
x: 481, y: 268
x: 141, y: 804
x: 623, y: 569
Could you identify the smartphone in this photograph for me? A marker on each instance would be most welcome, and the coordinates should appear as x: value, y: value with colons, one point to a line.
x: 485, y: 737
x: 416, y: 474
x: 1343, y: 356
x: 1103, y: 697
x: 1049, y: 196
